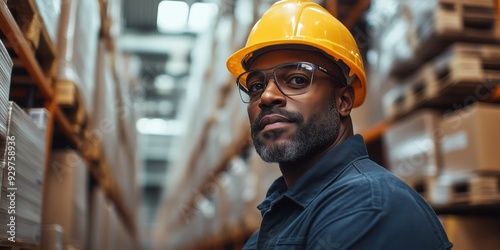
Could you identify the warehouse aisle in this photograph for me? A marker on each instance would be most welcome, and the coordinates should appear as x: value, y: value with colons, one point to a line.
x: 121, y: 128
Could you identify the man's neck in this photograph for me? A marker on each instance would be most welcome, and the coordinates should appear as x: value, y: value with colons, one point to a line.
x: 292, y: 171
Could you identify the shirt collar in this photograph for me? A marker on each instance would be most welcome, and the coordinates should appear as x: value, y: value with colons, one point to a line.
x: 326, y: 170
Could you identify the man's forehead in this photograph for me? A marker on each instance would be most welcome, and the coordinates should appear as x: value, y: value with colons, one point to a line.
x: 280, y: 56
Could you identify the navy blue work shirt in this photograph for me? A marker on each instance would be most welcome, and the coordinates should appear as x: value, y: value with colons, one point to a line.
x: 347, y: 201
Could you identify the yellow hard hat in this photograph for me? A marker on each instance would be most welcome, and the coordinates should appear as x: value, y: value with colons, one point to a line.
x: 303, y: 22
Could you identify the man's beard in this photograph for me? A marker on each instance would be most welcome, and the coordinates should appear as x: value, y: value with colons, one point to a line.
x: 310, y: 138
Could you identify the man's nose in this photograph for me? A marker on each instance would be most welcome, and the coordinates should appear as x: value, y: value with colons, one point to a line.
x: 272, y: 95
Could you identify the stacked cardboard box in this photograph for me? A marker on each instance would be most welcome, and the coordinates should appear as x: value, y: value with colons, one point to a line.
x: 5, y: 75
x: 449, y: 157
x: 21, y: 195
x: 469, y: 145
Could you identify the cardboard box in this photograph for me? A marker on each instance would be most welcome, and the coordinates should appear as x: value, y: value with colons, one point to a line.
x: 412, y: 148
x: 470, y: 139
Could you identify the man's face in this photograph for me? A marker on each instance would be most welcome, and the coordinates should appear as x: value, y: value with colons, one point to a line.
x: 293, y: 128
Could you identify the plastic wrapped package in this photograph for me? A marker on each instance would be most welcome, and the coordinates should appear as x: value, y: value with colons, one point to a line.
x: 50, y: 12
x: 65, y: 199
x: 52, y: 237
x: 77, y: 46
x: 99, y: 220
x: 5, y: 75
x: 24, y: 155
x: 126, y: 119
x: 114, y: 17
x: 113, y: 224
x: 125, y: 177
x: 104, y: 119
x: 391, y: 45
x: 126, y: 113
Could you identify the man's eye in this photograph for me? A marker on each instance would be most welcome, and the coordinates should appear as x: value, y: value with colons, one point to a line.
x: 255, y: 87
x: 297, y: 81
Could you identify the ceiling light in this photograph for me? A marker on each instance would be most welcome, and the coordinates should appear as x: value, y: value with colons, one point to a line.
x: 164, y: 84
x: 201, y: 16
x: 156, y: 126
x: 172, y: 16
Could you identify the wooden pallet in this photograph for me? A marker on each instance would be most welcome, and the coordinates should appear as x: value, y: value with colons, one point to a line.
x: 470, y: 19
x: 452, y: 21
x: 69, y: 99
x: 474, y: 188
x: 464, y: 74
x: 7, y: 245
x: 27, y: 17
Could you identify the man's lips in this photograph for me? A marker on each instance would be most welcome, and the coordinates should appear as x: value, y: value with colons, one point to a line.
x: 273, y: 118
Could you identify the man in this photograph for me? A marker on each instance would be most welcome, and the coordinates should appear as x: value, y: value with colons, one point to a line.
x: 300, y: 74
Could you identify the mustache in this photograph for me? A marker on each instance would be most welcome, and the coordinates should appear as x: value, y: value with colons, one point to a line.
x: 292, y: 116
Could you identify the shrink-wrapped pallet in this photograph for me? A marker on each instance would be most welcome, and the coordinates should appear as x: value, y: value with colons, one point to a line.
x: 65, y: 198
x: 104, y: 119
x: 469, y: 145
x: 77, y: 46
x: 24, y: 158
x: 99, y: 220
x: 412, y: 32
x: 112, y: 21
x: 52, y: 237
x: 5, y: 75
x: 50, y: 12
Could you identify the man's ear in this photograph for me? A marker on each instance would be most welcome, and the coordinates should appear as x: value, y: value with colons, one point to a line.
x: 345, y: 100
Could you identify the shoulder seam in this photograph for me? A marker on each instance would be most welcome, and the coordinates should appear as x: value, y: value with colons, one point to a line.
x: 374, y: 185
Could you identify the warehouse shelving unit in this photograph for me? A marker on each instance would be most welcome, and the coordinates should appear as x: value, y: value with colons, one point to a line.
x: 43, y: 82
x: 446, y: 84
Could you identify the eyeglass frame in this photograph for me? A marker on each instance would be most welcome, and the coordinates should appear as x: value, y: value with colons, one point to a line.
x: 273, y: 74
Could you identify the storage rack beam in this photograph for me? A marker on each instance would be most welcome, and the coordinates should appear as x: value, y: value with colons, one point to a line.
x: 22, y: 48
x: 375, y: 132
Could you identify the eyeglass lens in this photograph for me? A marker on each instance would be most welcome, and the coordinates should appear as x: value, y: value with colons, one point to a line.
x: 291, y: 79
